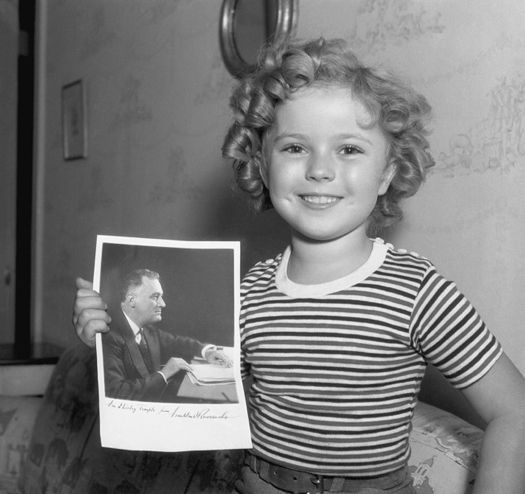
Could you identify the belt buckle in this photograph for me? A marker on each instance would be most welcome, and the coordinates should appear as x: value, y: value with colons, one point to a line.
x: 318, y: 481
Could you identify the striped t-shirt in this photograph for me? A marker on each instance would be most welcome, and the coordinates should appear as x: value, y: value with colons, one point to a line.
x: 337, y: 367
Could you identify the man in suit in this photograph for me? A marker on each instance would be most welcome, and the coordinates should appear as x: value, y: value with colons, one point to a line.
x: 142, y: 362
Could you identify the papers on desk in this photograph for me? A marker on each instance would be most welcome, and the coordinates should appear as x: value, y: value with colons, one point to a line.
x: 210, y: 375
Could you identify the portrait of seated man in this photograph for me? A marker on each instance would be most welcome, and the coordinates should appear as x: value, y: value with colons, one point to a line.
x: 141, y: 361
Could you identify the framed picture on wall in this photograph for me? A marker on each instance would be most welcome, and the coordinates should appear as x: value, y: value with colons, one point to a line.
x: 74, y: 121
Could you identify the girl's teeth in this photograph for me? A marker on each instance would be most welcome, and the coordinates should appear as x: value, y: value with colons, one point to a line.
x: 320, y: 199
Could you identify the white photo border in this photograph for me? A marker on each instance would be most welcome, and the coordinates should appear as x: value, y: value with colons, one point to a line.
x: 172, y: 427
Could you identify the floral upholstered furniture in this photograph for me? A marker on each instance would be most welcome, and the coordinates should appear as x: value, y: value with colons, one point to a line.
x: 51, y: 444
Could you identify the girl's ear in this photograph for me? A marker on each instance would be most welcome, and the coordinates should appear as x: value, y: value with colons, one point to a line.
x: 388, y: 175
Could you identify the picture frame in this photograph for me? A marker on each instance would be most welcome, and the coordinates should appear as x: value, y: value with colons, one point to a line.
x: 74, y: 121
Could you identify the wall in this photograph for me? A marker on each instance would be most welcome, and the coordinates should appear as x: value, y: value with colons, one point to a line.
x: 8, y: 110
x: 157, y: 93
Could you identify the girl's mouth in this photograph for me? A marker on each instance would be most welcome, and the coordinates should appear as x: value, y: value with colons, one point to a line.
x: 320, y: 200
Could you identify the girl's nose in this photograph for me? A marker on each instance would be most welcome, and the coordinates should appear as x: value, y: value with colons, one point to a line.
x: 320, y: 168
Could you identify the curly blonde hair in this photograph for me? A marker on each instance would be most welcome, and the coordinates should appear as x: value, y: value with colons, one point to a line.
x: 400, y: 112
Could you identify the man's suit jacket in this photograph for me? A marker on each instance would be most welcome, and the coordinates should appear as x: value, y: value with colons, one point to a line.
x: 126, y: 374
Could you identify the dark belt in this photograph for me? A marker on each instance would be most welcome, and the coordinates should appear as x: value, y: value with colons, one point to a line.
x: 299, y: 482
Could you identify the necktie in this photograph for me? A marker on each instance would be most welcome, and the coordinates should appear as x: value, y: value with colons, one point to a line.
x: 144, y: 350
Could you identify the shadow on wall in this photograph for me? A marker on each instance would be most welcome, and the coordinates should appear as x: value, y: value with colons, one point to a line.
x: 262, y: 235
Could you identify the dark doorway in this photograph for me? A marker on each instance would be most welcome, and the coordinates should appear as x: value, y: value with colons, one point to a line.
x: 24, y: 179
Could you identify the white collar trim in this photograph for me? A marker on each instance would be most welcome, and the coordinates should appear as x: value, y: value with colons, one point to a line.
x: 297, y: 290
x: 134, y: 327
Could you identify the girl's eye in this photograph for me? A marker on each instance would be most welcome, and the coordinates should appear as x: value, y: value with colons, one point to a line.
x: 350, y: 149
x: 293, y: 149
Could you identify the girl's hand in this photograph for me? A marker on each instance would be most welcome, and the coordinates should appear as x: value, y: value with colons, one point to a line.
x: 89, y: 313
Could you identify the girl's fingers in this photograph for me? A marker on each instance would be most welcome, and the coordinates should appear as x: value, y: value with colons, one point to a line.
x: 88, y: 332
x: 82, y: 283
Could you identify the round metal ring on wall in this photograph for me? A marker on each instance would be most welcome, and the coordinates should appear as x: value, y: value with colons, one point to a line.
x: 285, y: 14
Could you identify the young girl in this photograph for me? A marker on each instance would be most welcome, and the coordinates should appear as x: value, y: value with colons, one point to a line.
x: 337, y: 331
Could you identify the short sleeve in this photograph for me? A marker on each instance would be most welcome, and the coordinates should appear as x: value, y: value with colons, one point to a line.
x: 245, y: 368
x: 246, y: 286
x: 256, y: 282
x: 449, y: 333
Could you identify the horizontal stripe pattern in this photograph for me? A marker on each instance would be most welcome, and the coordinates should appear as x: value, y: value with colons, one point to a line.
x: 335, y: 378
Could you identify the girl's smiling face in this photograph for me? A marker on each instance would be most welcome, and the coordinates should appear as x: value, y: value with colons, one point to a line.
x: 325, y: 168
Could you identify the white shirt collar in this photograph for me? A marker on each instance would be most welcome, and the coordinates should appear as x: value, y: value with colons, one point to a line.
x: 132, y: 325
x: 297, y: 290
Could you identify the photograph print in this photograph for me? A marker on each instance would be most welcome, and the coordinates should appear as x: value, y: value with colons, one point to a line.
x: 172, y: 351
